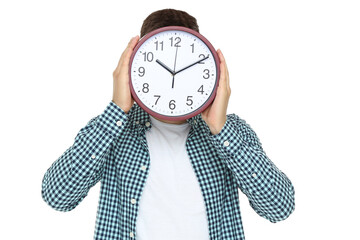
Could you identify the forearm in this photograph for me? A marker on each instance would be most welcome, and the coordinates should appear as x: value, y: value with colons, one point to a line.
x: 69, y: 178
x: 269, y: 190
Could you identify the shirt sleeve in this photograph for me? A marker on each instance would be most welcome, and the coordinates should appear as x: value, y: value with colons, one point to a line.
x: 270, y: 192
x: 68, y: 180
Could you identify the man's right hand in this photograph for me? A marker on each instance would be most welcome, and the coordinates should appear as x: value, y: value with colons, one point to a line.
x: 121, y: 89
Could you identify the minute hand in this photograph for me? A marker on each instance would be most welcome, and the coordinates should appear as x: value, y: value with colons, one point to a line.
x: 190, y: 65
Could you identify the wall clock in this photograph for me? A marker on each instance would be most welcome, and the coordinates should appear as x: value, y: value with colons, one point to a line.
x: 174, y: 73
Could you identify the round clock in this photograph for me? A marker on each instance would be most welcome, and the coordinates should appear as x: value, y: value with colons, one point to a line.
x: 174, y: 73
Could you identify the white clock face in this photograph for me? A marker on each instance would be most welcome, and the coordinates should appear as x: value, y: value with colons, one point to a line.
x: 173, y: 73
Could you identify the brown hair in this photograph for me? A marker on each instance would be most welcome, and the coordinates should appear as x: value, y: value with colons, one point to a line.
x: 168, y: 17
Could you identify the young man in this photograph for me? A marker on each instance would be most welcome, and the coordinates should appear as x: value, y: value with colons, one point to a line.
x: 164, y: 179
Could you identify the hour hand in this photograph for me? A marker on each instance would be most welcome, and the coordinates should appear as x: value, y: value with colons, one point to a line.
x: 164, y: 66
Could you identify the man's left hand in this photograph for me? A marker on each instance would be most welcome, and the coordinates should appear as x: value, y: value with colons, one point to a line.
x: 215, y: 114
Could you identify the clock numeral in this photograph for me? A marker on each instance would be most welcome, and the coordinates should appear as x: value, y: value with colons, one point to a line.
x: 141, y: 71
x: 201, y: 56
x: 172, y: 104
x: 145, y: 88
x: 177, y: 41
x: 192, y: 48
x: 158, y: 96
x: 157, y: 45
x: 207, y: 73
x: 188, y: 99
x: 148, y: 56
x: 201, y: 89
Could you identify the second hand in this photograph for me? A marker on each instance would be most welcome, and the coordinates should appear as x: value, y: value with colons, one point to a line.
x: 172, y: 86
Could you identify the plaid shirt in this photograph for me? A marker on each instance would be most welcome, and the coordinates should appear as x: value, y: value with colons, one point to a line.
x: 112, y: 148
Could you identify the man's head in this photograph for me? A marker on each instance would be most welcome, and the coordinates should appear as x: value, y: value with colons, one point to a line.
x: 168, y: 17
x: 164, y: 18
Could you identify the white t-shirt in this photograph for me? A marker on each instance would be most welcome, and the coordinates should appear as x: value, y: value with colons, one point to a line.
x: 171, y: 206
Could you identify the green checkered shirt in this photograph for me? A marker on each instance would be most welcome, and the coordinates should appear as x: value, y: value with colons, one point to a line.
x: 112, y: 149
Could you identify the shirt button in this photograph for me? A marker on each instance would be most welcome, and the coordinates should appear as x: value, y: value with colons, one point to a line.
x: 194, y: 121
x: 93, y: 156
x: 254, y: 174
x: 119, y: 123
x: 137, y: 122
x: 226, y: 143
x: 143, y: 167
x: 133, y: 201
x: 131, y: 234
x: 147, y: 124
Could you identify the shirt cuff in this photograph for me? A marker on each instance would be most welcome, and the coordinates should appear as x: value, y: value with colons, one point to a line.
x: 229, y: 142
x: 113, y: 119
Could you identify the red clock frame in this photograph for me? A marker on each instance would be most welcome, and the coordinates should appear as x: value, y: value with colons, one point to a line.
x: 212, y: 95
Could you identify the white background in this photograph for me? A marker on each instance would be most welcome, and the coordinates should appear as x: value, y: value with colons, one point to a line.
x: 294, y: 75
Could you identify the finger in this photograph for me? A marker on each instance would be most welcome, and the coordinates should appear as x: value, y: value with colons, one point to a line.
x: 226, y: 68
x: 227, y: 76
x: 222, y: 69
x: 125, y: 56
x: 123, y: 53
x: 130, y: 47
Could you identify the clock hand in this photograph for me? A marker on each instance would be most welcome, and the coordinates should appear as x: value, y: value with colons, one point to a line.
x: 191, y: 65
x: 164, y: 66
x: 175, y: 57
x: 172, y: 86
